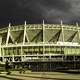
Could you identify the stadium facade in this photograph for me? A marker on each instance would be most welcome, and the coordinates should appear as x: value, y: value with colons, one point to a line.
x: 41, y: 46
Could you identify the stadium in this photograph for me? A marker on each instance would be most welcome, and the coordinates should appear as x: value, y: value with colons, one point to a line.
x: 41, y: 47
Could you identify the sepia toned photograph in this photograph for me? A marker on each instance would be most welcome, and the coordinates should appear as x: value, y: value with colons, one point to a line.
x: 39, y: 39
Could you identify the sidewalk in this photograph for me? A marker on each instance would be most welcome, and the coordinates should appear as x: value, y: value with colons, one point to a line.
x: 15, y: 75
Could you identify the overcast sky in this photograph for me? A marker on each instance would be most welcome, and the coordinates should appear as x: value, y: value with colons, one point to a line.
x: 34, y: 11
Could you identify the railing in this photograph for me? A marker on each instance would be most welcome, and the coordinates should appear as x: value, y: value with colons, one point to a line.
x: 39, y: 26
x: 50, y: 60
x: 3, y: 30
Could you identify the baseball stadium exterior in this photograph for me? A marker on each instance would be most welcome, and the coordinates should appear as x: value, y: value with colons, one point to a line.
x: 41, y: 47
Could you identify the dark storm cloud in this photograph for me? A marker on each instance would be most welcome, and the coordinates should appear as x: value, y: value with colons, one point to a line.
x: 62, y: 5
x: 6, y: 10
x: 34, y: 11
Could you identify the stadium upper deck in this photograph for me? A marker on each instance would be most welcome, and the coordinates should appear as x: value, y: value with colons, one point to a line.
x: 37, y: 41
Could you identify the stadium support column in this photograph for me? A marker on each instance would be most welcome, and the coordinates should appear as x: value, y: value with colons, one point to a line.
x: 22, y: 54
x: 0, y: 43
x: 3, y: 54
x: 78, y: 32
x: 24, y: 37
x: 43, y: 28
x: 25, y: 34
x: 62, y: 31
x: 62, y: 36
x: 43, y: 32
x: 8, y: 34
x: 78, y: 35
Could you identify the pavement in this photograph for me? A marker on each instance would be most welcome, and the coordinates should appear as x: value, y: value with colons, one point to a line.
x: 15, y: 75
